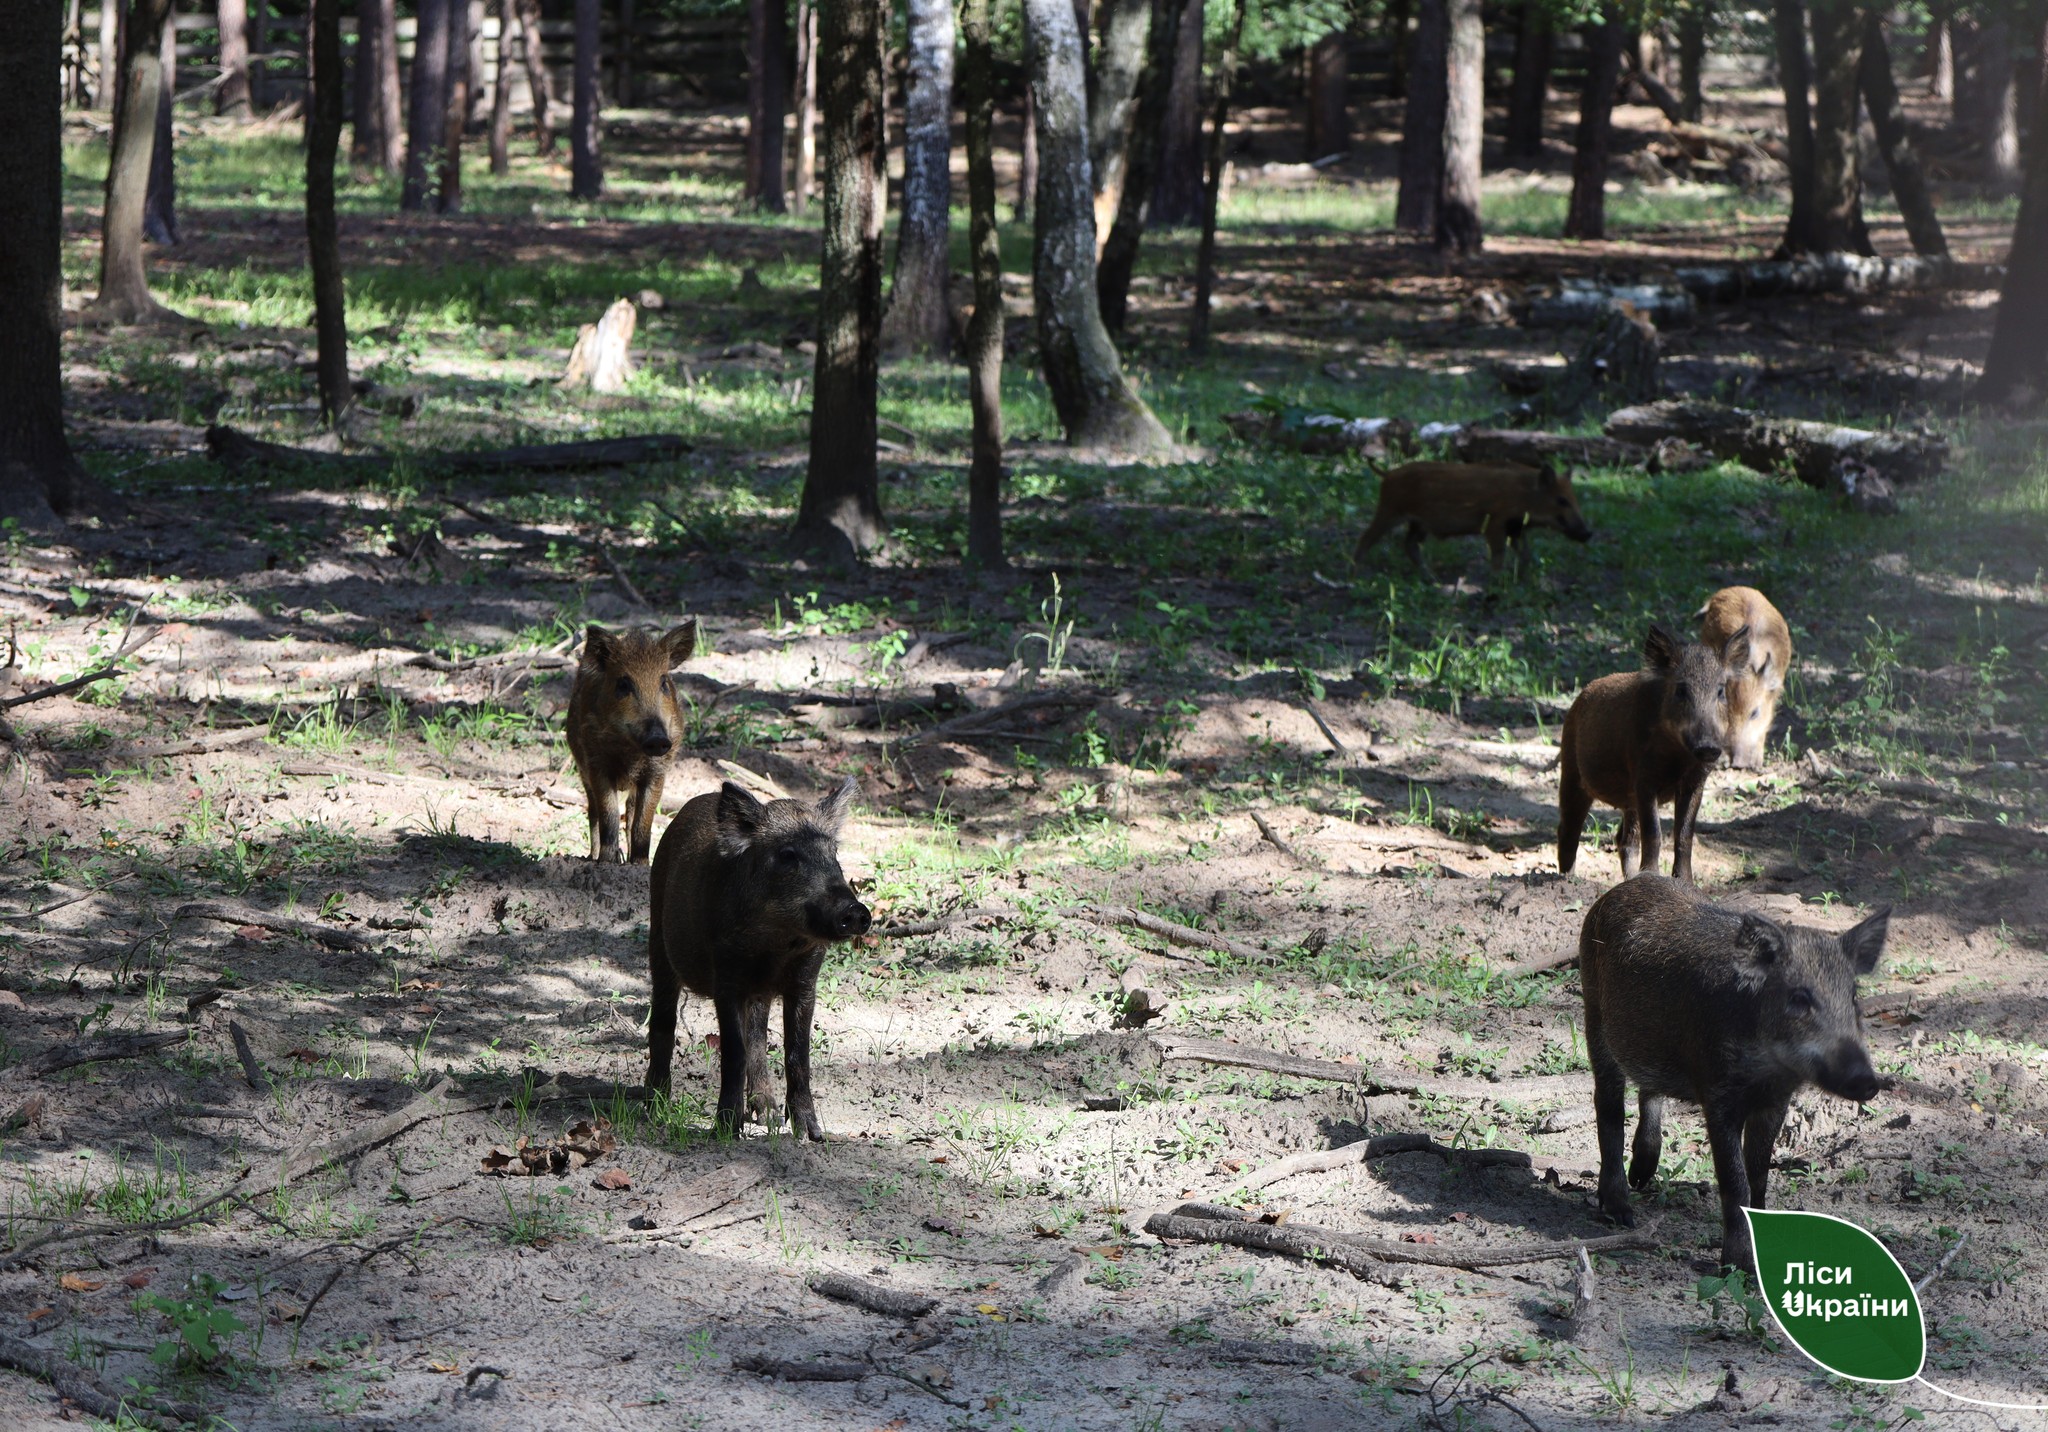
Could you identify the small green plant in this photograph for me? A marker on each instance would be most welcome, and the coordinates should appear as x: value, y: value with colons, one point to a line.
x: 1731, y: 1298
x: 198, y: 1328
x: 1110, y: 1274
x: 545, y: 1218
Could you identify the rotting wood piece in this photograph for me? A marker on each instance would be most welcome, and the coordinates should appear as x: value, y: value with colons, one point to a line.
x: 98, y: 1051
x: 233, y: 449
x: 1368, y: 1257
x: 326, y: 935
x: 602, y: 359
x: 1814, y: 452
x: 86, y: 1392
x: 889, y: 1302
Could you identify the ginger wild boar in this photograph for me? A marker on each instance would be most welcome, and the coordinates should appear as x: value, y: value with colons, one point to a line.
x: 1499, y: 500
x: 1731, y: 1011
x: 624, y: 723
x: 746, y: 898
x: 1753, y: 692
x: 1640, y: 739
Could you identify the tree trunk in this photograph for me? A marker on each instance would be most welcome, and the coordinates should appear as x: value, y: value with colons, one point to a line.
x: 767, y: 101
x: 1113, y: 100
x: 124, y: 288
x: 259, y: 44
x: 1458, y: 228
x: 1941, y: 53
x: 1329, y: 79
x: 1398, y: 46
x: 841, y: 512
x: 917, y: 318
x: 362, y: 126
x: 2016, y: 369
x: 160, y: 208
x: 806, y: 166
x: 378, y: 55
x: 1837, y: 170
x: 1097, y: 407
x: 1530, y: 94
x: 323, y: 249
x: 1422, y: 120
x: 1586, y: 216
x: 538, y: 82
x: 455, y: 118
x: 985, y: 329
x: 1120, y: 250
x: 1027, y: 150
x: 1888, y: 118
x: 232, y: 98
x: 501, y: 93
x: 110, y: 54
x: 1177, y: 175
x: 1994, y: 80
x: 427, y: 107
x: 622, y: 68
x: 586, y: 172
x: 1795, y: 76
x: 1212, y: 187
x: 38, y: 475
x: 1692, y: 60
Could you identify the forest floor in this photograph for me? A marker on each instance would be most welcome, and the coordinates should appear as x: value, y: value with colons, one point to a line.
x: 350, y: 717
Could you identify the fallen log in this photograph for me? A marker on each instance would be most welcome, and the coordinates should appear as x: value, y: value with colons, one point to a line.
x: 1367, y: 1257
x: 91, y: 1396
x: 234, y: 449
x: 1813, y: 452
x: 1856, y: 274
x: 281, y: 924
x: 99, y: 1051
x: 789, y: 1370
x: 1306, y: 430
x: 869, y: 715
x: 1579, y: 300
x: 889, y: 1302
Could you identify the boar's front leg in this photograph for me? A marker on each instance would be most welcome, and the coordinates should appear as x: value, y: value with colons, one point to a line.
x: 760, y: 1098
x: 799, y: 1010
x: 603, y: 804
x: 1610, y: 1105
x: 732, y: 1063
x: 1648, y: 831
x: 1626, y: 846
x: 1648, y: 1145
x: 1725, y: 1121
x: 640, y: 809
x: 1685, y: 813
x: 1759, y: 1137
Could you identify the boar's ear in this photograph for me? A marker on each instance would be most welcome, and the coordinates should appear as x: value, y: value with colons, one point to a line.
x: 1864, y: 945
x: 830, y: 813
x: 1660, y: 648
x: 1761, y: 939
x: 680, y: 642
x: 599, y: 645
x: 1546, y: 478
x: 1763, y: 668
x: 1735, y: 651
x: 739, y: 819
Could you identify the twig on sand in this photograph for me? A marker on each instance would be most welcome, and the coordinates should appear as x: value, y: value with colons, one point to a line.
x: 907, y: 929
x: 1942, y: 1267
x: 87, y: 1392
x: 1459, y: 1396
x: 789, y: 1370
x: 889, y: 1302
x: 1369, y: 1080
x: 1324, y: 727
x: 633, y: 593
x: 326, y: 935
x: 98, y: 673
x: 251, y: 1070
x: 1279, y: 842
x: 1368, y: 1256
x: 1169, y: 931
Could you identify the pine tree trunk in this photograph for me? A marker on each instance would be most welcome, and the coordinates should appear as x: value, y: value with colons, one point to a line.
x: 124, y: 288
x: 427, y: 102
x: 380, y: 118
x: 362, y: 87
x: 586, y: 171
x: 1888, y: 118
x: 1422, y: 120
x: 917, y: 319
x: 1837, y: 169
x: 1113, y: 100
x: 1120, y: 250
x: 622, y: 67
x: 767, y: 101
x: 1530, y: 94
x: 160, y: 208
x: 1329, y: 80
x: 985, y: 329
x: 841, y: 513
x: 1994, y: 77
x: 323, y: 249
x: 232, y: 98
x: 1795, y: 76
x: 455, y: 115
x: 1586, y: 215
x: 259, y: 44
x: 1692, y: 61
x: 2016, y: 369
x: 1458, y: 229
x: 1212, y: 186
x: 1097, y: 407
x: 805, y: 177
x: 1941, y: 52
x: 501, y: 93
x: 1177, y: 175
x: 38, y: 475
x: 1399, y: 46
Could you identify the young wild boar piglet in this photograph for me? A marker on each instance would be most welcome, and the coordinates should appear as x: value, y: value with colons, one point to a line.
x: 1503, y: 500
x: 1731, y: 1011
x: 1640, y: 739
x: 746, y: 897
x: 624, y: 723
x: 1753, y: 692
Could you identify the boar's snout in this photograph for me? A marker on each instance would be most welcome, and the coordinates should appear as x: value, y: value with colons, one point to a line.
x: 1850, y: 1075
x: 1706, y: 753
x: 655, y: 739
x: 1575, y: 527
x: 840, y: 916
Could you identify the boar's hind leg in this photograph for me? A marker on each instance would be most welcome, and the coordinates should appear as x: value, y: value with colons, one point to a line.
x: 1626, y: 847
x: 1648, y: 1145
x: 640, y: 807
x: 1610, y: 1105
x: 1379, y: 528
x: 661, y: 1018
x: 1759, y: 1137
x: 799, y: 1008
x: 1413, y: 542
x: 1724, y: 1135
x: 760, y: 1098
x: 1573, y: 805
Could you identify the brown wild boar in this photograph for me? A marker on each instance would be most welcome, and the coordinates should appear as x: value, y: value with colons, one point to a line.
x: 1640, y: 739
x: 1501, y: 500
x: 1753, y: 693
x: 624, y: 722
x: 1731, y: 1011
x: 745, y: 899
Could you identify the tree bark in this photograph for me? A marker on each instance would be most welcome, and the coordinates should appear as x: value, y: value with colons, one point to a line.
x: 323, y: 249
x: 1120, y: 251
x: 1097, y: 407
x: 427, y: 107
x: 1026, y: 209
x: 1113, y: 100
x: 1941, y: 52
x: 1530, y: 94
x: 1994, y: 85
x: 1329, y: 80
x: 232, y: 98
x: 1422, y: 120
x: 840, y: 516
x: 1586, y: 216
x: 2016, y: 368
x: 124, y: 288
x: 259, y: 44
x: 917, y: 319
x: 767, y: 101
x: 1177, y: 175
x: 1813, y: 451
x: 1888, y: 118
x: 1398, y: 47
x: 586, y: 171
x: 455, y: 115
x: 538, y: 81
x: 110, y: 54
x: 1795, y: 76
x: 378, y: 55
x: 1212, y: 188
x: 1458, y: 229
x: 501, y: 93
x: 805, y: 178
x: 160, y: 208
x: 628, y: 37
x: 1692, y: 60
x: 985, y: 328
x: 38, y: 475
x: 1838, y: 225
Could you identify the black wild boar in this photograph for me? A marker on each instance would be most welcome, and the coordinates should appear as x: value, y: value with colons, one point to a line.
x: 1640, y: 739
x: 1501, y: 500
x: 624, y: 722
x: 1731, y: 1011
x: 746, y: 897
x: 1753, y: 689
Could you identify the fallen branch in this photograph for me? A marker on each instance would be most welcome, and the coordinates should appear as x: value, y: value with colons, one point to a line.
x: 79, y: 1387
x: 633, y: 593
x: 1942, y: 1267
x: 1815, y: 452
x: 97, y: 1051
x: 1279, y: 842
x: 871, y: 714
x: 251, y: 1070
x: 1323, y: 726
x: 234, y: 449
x: 994, y: 715
x: 204, y: 744
x: 1378, y: 1147
x: 1167, y: 930
x: 1365, y: 1256
x: 695, y: 1199
x: 889, y: 1302
x: 282, y: 924
x: 1367, y: 1079
x: 112, y: 667
x: 907, y: 929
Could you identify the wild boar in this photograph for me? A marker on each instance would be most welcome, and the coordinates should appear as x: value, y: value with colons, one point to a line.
x: 1639, y: 739
x: 1753, y: 693
x: 746, y: 898
x: 1731, y: 1011
x: 1501, y: 500
x: 624, y: 722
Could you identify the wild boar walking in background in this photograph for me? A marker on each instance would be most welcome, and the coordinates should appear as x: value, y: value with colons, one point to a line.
x: 1501, y: 500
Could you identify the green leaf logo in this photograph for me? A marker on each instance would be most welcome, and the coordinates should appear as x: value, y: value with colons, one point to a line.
x: 1839, y: 1295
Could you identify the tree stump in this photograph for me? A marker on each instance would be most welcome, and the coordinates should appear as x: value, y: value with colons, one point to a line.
x: 601, y: 360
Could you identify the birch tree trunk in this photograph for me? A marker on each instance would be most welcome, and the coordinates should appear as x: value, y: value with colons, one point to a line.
x: 323, y: 249
x: 160, y: 208
x: 1422, y: 120
x: 1586, y: 216
x: 1458, y: 228
x: 985, y: 329
x: 917, y: 320
x: 1120, y: 251
x: 586, y: 171
x: 124, y: 288
x: 1113, y: 102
